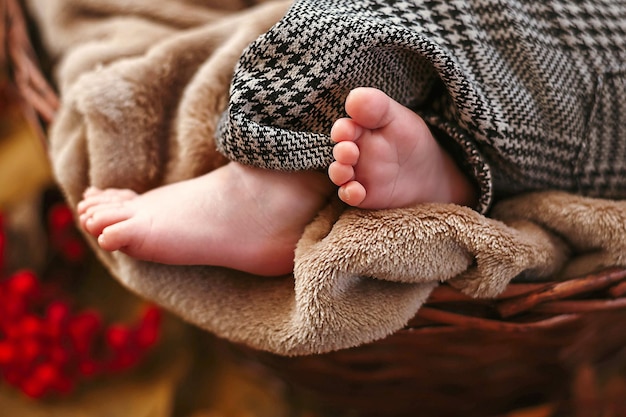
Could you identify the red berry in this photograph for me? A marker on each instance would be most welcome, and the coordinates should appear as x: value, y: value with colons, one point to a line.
x: 148, y: 330
x: 23, y: 283
x: 147, y: 337
x: 87, y: 322
x: 60, y: 217
x: 46, y: 374
x: 118, y: 336
x: 57, y: 316
x: 7, y: 352
x: 82, y: 330
x: 30, y: 326
x: 57, y: 312
x: 33, y: 388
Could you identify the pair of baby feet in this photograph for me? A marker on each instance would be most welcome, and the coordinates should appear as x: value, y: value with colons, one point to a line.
x: 250, y: 219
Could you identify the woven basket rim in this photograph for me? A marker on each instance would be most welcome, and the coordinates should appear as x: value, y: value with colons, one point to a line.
x: 525, y: 306
x: 40, y: 101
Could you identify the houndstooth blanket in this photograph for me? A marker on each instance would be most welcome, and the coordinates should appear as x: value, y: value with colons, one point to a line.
x: 527, y: 95
x: 143, y: 85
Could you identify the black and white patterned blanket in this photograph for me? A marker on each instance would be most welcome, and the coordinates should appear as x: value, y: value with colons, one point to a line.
x: 526, y: 95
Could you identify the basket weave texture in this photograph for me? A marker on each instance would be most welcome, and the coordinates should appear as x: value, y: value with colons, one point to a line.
x: 465, y: 357
x: 459, y: 356
x: 18, y: 55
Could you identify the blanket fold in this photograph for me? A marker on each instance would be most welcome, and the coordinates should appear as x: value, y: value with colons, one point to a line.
x: 142, y: 91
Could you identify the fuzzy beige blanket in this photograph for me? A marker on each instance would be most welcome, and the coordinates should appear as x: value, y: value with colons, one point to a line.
x: 143, y: 84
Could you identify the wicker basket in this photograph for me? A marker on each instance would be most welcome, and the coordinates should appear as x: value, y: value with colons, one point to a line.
x: 18, y: 56
x: 466, y: 357
x: 458, y: 356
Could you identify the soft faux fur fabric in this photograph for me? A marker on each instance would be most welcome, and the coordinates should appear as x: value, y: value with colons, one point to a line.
x: 143, y: 85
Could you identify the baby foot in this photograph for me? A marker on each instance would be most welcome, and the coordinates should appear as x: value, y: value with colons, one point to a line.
x: 236, y: 216
x: 386, y: 157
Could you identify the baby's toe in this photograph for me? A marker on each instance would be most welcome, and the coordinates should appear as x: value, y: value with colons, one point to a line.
x: 346, y: 153
x: 114, y: 237
x: 345, y: 129
x: 340, y: 173
x: 95, y: 220
x: 128, y: 236
x: 352, y: 193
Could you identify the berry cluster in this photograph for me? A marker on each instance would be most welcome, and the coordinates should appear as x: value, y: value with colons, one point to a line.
x: 47, y: 347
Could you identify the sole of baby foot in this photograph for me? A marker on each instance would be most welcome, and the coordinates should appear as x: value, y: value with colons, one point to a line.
x: 386, y: 157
